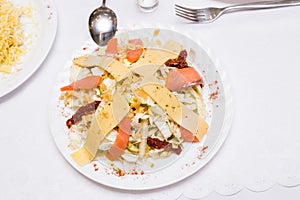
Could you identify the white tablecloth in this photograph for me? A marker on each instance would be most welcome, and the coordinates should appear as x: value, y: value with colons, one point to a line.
x: 259, y: 51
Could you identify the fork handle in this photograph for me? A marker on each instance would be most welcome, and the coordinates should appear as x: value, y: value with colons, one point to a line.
x: 262, y: 5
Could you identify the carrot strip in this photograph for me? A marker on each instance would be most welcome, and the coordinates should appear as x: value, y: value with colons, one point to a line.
x: 67, y: 88
x: 112, y: 47
x: 188, y: 136
x: 85, y: 83
x: 120, y: 144
x: 134, y: 55
x: 178, y: 79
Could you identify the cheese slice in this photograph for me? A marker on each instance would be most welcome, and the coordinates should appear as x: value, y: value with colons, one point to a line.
x: 176, y: 110
x: 193, y: 122
x: 154, y: 56
x: 112, y: 66
x: 93, y: 61
x: 166, y: 100
x: 202, y: 128
x: 82, y: 156
x: 94, y: 137
x: 105, y: 120
x: 112, y: 113
x: 117, y: 70
x: 147, y: 72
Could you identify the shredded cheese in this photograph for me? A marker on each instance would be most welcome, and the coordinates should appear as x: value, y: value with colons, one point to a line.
x: 11, y: 35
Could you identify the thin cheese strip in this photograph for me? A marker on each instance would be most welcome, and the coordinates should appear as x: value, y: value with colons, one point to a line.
x: 93, y: 61
x: 154, y: 56
x: 112, y: 66
x: 106, y: 119
x: 176, y: 110
x: 147, y: 72
x: 165, y: 99
x: 193, y: 122
x: 94, y: 138
x: 112, y: 113
x: 82, y: 156
x: 202, y: 128
x: 117, y: 70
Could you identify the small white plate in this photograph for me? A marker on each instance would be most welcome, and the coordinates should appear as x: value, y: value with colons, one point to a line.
x: 217, y: 96
x: 44, y: 30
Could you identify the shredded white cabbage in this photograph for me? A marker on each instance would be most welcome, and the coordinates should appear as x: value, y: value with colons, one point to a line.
x: 74, y: 140
x: 109, y: 140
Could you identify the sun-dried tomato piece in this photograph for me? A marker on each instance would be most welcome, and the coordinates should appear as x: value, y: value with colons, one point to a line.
x: 179, y: 62
x: 156, y: 143
x: 83, y: 110
x: 159, y: 144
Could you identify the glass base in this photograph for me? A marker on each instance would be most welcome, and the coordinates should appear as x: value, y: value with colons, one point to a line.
x: 148, y: 5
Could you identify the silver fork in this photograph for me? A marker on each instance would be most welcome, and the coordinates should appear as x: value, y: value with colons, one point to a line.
x: 206, y: 15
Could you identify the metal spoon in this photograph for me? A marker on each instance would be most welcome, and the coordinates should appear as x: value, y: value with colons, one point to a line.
x: 102, y: 24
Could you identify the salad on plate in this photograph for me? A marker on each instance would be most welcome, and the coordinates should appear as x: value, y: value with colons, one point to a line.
x: 131, y: 103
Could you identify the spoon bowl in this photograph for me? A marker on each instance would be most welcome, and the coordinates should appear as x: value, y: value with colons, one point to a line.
x: 102, y: 24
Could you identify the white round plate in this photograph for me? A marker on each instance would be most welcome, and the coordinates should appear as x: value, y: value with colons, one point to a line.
x: 217, y: 96
x: 44, y: 30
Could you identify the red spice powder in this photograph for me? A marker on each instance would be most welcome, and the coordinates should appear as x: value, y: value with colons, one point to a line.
x: 204, y: 148
x: 121, y: 172
x: 95, y: 167
x: 214, y: 95
x: 202, y: 151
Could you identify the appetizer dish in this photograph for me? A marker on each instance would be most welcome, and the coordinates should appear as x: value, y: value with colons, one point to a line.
x: 131, y: 103
x: 145, y: 111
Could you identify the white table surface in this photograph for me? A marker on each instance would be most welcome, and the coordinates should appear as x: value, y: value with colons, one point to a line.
x: 260, y: 53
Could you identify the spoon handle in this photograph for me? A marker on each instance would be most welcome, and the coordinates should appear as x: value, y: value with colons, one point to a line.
x: 103, y: 3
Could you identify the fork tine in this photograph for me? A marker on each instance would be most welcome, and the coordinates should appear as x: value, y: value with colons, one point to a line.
x: 191, y: 17
x: 187, y: 9
x: 189, y: 13
x: 196, y: 15
x: 188, y: 17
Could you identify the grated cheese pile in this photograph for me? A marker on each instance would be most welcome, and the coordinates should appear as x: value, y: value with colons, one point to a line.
x: 11, y: 35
